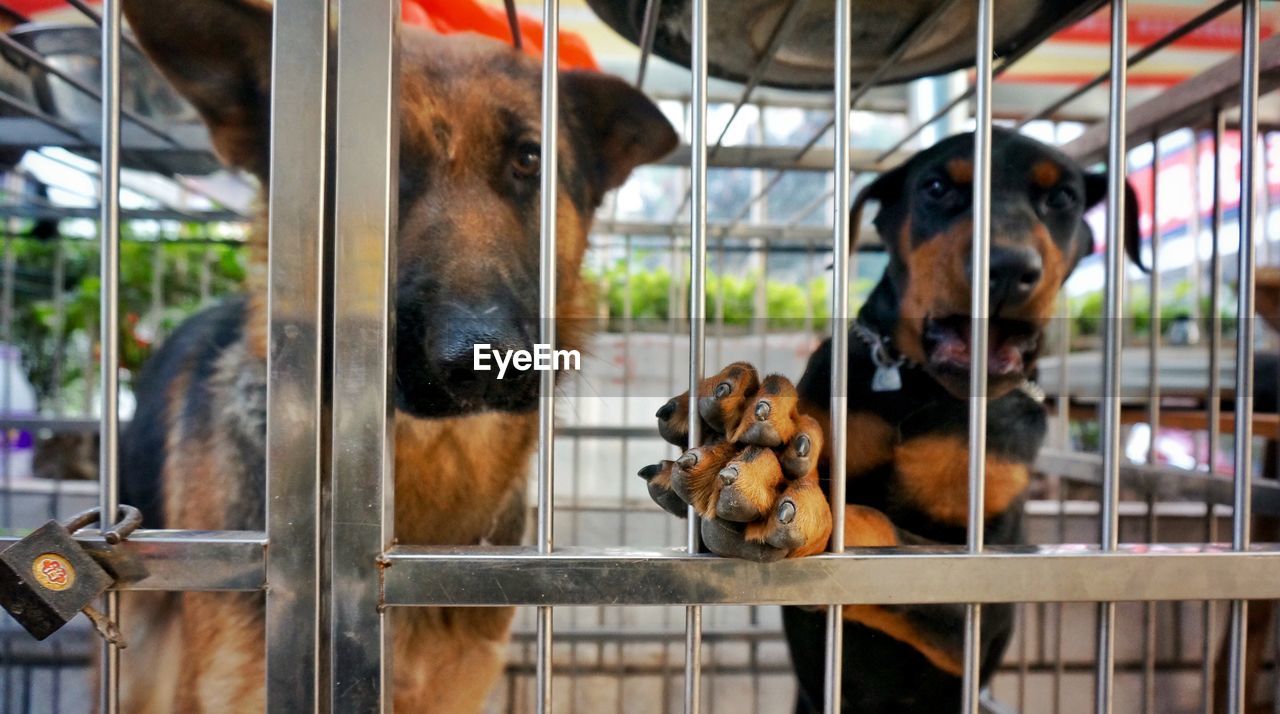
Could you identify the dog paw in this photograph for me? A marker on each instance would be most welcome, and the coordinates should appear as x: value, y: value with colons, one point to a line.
x: 753, y: 479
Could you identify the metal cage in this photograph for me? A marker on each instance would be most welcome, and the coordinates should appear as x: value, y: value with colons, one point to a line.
x: 329, y: 567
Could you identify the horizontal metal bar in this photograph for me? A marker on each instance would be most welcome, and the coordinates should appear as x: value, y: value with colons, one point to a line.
x: 782, y: 158
x: 187, y: 560
x: 771, y: 232
x: 1190, y: 102
x: 184, y: 138
x: 141, y: 214
x: 1068, y: 573
x: 1163, y: 482
x: 1178, y: 33
x: 45, y: 66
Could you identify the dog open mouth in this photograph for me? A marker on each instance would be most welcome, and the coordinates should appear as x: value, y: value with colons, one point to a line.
x: 1011, y: 347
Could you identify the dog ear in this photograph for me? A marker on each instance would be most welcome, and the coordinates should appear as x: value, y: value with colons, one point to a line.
x: 1095, y: 190
x: 886, y: 189
x: 624, y: 127
x: 217, y: 53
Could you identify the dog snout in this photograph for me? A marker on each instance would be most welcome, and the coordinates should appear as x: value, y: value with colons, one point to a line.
x: 491, y: 328
x: 1015, y: 273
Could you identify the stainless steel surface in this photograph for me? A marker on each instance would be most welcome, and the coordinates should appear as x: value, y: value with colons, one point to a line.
x: 295, y: 658
x: 549, y: 194
x: 648, y: 28
x: 617, y: 576
x: 1207, y: 654
x: 1149, y: 639
x: 979, y: 300
x: 238, y: 561
x: 188, y: 560
x: 697, y: 321
x: 1243, y: 442
x: 1113, y: 314
x: 109, y: 327
x: 842, y: 255
x: 361, y: 518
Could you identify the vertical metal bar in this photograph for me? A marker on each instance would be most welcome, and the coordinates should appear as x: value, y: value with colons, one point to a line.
x: 296, y: 661
x: 1112, y: 335
x: 648, y: 30
x: 1059, y: 609
x: 1241, y: 510
x: 1207, y: 673
x: 58, y: 294
x: 697, y: 322
x: 979, y: 298
x: 841, y: 259
x: 1024, y: 665
x: 362, y: 502
x: 1149, y: 641
x: 109, y: 324
x: 546, y: 322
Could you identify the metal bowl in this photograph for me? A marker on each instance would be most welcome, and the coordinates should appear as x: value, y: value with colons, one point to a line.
x: 76, y: 50
x: 739, y: 31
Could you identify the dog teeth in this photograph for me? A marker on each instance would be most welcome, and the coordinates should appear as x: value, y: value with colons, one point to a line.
x: 763, y: 410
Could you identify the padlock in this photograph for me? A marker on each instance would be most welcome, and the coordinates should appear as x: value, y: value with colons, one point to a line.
x: 47, y: 577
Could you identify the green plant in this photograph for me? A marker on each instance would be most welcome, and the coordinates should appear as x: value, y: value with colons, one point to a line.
x: 55, y: 355
x: 733, y: 298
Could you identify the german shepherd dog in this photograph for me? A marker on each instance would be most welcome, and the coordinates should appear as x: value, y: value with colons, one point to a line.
x: 466, y: 273
x: 759, y: 479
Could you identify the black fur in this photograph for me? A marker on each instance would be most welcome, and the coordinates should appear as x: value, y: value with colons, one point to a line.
x: 193, y: 349
x: 883, y: 674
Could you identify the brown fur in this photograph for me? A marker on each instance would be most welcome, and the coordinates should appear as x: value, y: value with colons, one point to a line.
x: 937, y: 283
x: 459, y: 480
x: 866, y: 527
x: 900, y: 627
x: 757, y: 476
x: 1045, y: 173
x: 933, y: 474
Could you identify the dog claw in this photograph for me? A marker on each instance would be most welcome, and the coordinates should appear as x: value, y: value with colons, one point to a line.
x: 763, y: 410
x: 728, y: 475
x: 722, y: 397
x: 786, y: 512
x: 687, y: 460
x: 800, y: 456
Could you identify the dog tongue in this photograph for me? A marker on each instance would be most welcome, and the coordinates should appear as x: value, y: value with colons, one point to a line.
x: 1004, y: 358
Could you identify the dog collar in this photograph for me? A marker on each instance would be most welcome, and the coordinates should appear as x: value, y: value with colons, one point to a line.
x: 888, y: 374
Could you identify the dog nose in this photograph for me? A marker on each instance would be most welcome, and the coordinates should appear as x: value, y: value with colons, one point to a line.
x: 1015, y: 274
x: 453, y: 349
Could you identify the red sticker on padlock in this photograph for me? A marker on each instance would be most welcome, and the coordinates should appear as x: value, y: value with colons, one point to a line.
x: 53, y: 571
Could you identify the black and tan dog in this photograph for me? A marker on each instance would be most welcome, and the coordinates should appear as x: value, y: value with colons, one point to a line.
x: 759, y: 479
x: 467, y: 273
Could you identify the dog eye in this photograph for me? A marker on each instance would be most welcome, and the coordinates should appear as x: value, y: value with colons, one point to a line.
x: 937, y: 189
x: 528, y: 160
x: 1060, y: 199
